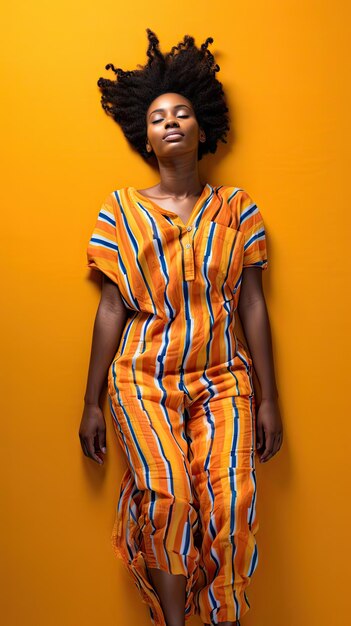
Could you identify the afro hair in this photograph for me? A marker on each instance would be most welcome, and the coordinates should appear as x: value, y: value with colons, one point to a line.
x: 187, y: 70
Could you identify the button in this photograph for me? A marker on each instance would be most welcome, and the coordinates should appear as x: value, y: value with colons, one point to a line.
x: 188, y: 245
x: 189, y: 228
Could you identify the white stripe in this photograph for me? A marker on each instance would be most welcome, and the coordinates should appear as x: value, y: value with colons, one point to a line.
x: 103, y: 213
x: 246, y: 215
x: 101, y: 242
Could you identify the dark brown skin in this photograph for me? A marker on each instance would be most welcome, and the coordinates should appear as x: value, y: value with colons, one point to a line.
x: 108, y: 327
x: 178, y: 190
x: 180, y: 185
x: 254, y: 319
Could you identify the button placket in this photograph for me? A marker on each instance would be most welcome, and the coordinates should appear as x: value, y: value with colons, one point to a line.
x: 189, y: 264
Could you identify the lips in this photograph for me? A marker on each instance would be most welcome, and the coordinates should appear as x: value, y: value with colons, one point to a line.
x: 173, y: 132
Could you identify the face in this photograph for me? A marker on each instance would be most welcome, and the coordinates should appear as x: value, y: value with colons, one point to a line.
x: 172, y: 112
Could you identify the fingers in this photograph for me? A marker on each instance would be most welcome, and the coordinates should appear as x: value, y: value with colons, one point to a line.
x: 91, y: 450
x: 84, y: 448
x: 272, y: 445
x: 102, y: 439
x: 87, y: 443
x: 267, y: 452
x: 92, y: 433
x: 260, y: 437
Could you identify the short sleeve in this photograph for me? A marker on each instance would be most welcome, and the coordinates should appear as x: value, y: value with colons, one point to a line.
x: 102, y: 247
x: 252, y: 226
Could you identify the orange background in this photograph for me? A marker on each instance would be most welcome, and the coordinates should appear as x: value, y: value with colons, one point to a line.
x: 284, y: 67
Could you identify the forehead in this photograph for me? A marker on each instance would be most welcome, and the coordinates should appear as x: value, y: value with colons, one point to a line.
x: 168, y: 101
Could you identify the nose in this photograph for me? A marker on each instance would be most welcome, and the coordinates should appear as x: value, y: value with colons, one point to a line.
x: 172, y: 122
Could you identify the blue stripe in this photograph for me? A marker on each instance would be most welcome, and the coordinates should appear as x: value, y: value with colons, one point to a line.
x: 233, y: 486
x: 249, y: 211
x: 103, y: 244
x: 235, y: 193
x: 102, y: 217
x: 260, y: 234
x: 134, y: 245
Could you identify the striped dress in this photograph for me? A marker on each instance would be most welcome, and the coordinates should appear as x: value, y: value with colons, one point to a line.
x: 181, y: 394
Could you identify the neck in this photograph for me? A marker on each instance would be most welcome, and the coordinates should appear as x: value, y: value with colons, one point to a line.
x: 180, y: 178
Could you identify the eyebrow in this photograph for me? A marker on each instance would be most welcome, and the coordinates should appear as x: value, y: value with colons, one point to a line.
x: 176, y: 106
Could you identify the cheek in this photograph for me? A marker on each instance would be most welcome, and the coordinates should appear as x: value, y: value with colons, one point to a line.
x: 193, y: 132
x: 155, y: 134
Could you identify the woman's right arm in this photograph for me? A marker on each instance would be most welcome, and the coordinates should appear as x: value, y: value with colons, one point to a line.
x: 108, y: 327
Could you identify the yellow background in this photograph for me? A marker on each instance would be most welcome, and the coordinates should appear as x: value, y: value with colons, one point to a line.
x: 285, y: 70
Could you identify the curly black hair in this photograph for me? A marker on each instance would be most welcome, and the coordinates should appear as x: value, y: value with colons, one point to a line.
x: 187, y: 70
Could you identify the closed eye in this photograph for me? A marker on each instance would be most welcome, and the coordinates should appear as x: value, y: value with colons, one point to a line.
x: 160, y: 120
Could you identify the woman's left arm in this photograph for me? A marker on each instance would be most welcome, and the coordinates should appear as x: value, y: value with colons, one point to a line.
x: 255, y: 323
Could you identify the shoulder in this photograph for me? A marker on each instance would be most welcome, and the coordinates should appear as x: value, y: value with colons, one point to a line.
x: 117, y: 197
x: 231, y: 191
x: 234, y: 195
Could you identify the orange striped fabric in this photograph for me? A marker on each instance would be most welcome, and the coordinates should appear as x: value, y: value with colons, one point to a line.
x: 181, y: 394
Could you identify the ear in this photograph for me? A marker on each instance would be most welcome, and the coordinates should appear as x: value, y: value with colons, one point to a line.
x: 202, y: 136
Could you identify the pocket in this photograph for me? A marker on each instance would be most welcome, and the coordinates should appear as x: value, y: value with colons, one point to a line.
x: 132, y: 348
x: 251, y: 378
x: 111, y: 373
x: 244, y: 351
x: 121, y: 413
x: 120, y: 422
x: 222, y: 249
x: 128, y: 424
x: 110, y: 378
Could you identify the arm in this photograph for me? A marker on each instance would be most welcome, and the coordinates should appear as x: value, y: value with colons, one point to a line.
x: 254, y: 319
x: 108, y: 327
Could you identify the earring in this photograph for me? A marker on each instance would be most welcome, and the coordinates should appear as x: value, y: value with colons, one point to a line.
x: 202, y: 137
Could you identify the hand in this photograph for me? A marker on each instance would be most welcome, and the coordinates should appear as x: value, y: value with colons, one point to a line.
x: 92, y: 432
x: 269, y: 429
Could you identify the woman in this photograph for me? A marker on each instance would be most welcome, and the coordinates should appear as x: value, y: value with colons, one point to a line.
x: 174, y: 261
